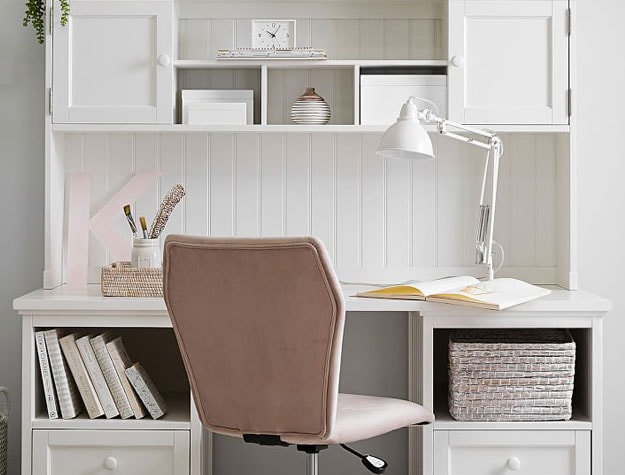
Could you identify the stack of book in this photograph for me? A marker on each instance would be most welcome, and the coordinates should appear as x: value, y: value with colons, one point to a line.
x: 94, y: 373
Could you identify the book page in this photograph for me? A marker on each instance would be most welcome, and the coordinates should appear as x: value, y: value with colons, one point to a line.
x: 498, y: 293
x: 420, y: 290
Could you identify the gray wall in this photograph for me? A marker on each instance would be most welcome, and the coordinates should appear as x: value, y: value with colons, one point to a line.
x: 601, y: 208
x: 21, y: 191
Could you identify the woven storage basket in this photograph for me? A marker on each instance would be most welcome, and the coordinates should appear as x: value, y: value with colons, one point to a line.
x: 121, y: 280
x: 511, y: 375
x: 4, y: 428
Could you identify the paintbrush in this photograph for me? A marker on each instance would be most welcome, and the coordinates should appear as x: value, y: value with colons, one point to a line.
x: 131, y: 222
x: 164, y: 211
x: 144, y: 226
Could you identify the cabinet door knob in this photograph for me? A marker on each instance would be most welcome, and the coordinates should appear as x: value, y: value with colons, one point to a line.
x: 513, y: 463
x: 164, y: 60
x: 457, y: 61
x: 110, y: 463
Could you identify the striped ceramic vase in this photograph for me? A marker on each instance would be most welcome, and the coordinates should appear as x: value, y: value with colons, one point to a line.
x: 310, y: 109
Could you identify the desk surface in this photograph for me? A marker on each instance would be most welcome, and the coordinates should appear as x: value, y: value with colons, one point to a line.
x: 90, y: 299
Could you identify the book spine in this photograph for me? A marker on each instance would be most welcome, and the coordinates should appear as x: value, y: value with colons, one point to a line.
x: 66, y: 389
x: 78, y: 370
x: 121, y: 361
x: 46, y: 376
x: 146, y: 389
x: 98, y: 343
x: 97, y: 377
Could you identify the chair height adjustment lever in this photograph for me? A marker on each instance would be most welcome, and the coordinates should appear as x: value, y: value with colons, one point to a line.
x: 374, y: 464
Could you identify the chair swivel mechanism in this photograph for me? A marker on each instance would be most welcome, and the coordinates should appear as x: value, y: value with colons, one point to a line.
x: 259, y: 323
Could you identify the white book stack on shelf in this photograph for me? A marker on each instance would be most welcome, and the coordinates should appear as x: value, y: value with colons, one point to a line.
x: 79, y: 371
x: 97, y: 376
x: 121, y: 361
x: 66, y: 390
x: 98, y: 343
x: 46, y: 375
x: 146, y: 389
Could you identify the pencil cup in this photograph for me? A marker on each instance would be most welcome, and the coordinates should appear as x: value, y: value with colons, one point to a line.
x: 146, y: 253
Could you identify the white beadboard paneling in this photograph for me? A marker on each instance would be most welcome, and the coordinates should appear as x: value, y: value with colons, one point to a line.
x: 373, y: 185
x: 392, y: 218
x: 272, y: 185
x: 371, y: 36
x: 424, y: 205
x: 396, y: 39
x: 121, y: 166
x: 247, y: 185
x: 398, y: 212
x: 322, y: 35
x: 196, y: 184
x: 348, y: 201
x: 222, y: 36
x: 345, y: 39
x: 73, y: 153
x: 194, y: 39
x: 546, y: 214
x: 524, y: 203
x: 298, y: 190
x: 425, y: 39
x: 221, y: 179
x: 276, y: 100
x: 147, y: 154
x: 323, y: 189
x: 96, y: 162
x: 449, y: 200
x: 171, y: 165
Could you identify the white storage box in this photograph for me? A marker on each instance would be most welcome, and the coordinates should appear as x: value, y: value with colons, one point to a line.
x: 217, y: 106
x: 382, y: 95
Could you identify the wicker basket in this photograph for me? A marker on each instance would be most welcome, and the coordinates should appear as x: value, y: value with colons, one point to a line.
x: 4, y: 427
x: 511, y: 375
x: 121, y: 280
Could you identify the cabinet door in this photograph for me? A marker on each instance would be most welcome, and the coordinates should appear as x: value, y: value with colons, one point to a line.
x: 549, y: 452
x: 130, y: 452
x: 508, y: 61
x: 112, y: 63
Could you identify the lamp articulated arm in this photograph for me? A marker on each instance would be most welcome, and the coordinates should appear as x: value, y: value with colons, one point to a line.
x: 486, y: 220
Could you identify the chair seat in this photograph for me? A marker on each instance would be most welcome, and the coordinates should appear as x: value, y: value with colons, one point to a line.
x: 361, y: 417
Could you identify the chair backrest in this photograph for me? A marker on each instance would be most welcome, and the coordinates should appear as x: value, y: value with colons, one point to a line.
x: 259, y: 322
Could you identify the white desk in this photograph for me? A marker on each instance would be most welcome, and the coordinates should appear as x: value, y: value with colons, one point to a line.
x: 432, y: 449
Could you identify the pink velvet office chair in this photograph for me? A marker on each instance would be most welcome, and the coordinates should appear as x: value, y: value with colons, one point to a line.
x: 260, y: 324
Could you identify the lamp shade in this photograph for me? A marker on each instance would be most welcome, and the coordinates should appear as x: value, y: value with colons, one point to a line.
x: 406, y: 138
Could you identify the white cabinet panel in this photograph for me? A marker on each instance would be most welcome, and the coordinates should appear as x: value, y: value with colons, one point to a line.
x: 113, y: 63
x: 78, y: 452
x: 508, y: 61
x: 519, y: 452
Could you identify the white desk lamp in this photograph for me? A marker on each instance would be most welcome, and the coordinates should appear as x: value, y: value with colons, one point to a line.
x: 407, y: 138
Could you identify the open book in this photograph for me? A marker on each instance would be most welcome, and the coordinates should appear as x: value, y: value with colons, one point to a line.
x: 495, y: 294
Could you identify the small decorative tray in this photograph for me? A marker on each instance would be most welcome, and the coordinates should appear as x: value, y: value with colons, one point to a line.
x: 121, y: 280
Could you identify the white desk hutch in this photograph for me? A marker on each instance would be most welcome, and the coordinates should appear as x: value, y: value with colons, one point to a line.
x: 114, y: 76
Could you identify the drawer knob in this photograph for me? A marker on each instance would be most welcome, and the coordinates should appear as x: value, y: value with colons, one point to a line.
x: 110, y: 463
x: 457, y: 61
x: 164, y: 60
x: 513, y: 463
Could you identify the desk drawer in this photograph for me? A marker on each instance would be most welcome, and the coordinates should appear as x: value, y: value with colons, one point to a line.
x: 100, y: 452
x: 513, y: 452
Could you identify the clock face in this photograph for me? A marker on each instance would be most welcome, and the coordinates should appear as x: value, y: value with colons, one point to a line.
x: 273, y: 34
